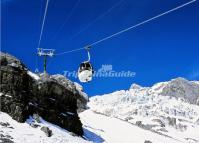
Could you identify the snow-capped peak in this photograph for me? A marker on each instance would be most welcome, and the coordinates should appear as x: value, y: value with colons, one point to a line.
x: 182, y: 88
x: 135, y: 86
x: 163, y: 108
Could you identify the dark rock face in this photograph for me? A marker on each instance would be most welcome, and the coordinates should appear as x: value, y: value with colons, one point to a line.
x: 6, y: 125
x: 23, y: 96
x: 54, y: 103
x: 4, y: 138
x: 182, y: 88
x: 14, y: 84
x: 75, y: 88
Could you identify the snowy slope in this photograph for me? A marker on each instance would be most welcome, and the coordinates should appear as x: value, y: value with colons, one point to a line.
x: 112, y: 130
x: 162, y: 109
x: 24, y: 133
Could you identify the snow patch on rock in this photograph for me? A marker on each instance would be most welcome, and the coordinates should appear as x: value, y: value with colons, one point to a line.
x: 33, y: 75
x: 25, y: 133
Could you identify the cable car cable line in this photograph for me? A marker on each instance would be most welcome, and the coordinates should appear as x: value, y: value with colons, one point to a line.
x: 41, y: 33
x: 43, y: 23
x: 96, y: 19
x: 66, y: 19
x: 69, y: 51
x: 43, y: 52
x: 132, y: 27
x: 85, y: 71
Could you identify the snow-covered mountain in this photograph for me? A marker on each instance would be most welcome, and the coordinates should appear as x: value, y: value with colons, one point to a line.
x: 168, y: 108
x: 167, y: 112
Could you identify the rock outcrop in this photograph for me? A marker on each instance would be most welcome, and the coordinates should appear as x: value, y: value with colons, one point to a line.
x: 180, y: 88
x: 23, y: 95
x: 77, y: 89
x: 15, y: 87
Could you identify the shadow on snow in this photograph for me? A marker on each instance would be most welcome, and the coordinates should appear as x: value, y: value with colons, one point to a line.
x: 90, y: 136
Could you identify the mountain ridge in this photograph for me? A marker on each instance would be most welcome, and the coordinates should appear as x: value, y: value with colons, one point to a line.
x: 166, y: 108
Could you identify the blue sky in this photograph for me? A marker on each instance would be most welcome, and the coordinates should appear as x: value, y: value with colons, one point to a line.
x: 163, y: 49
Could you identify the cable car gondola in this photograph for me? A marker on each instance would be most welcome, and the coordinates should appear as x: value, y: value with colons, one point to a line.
x: 85, y: 71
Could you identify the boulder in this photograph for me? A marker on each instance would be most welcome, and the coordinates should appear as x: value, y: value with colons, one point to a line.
x: 171, y: 121
x: 162, y: 124
x: 34, y: 125
x: 47, y: 131
x: 139, y: 123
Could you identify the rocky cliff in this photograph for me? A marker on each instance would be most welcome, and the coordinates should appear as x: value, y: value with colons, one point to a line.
x: 51, y: 97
